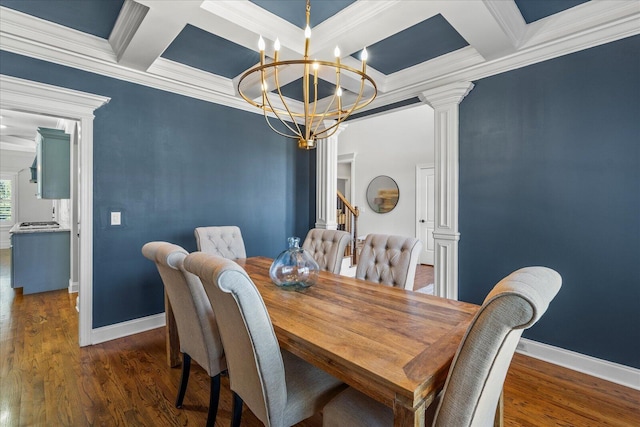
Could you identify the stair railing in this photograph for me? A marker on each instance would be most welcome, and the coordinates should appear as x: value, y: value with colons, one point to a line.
x: 348, y: 221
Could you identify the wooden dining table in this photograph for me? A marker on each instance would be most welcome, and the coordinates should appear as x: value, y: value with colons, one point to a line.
x: 394, y: 345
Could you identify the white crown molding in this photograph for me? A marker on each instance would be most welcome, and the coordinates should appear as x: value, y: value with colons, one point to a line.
x: 128, y: 22
x: 581, y: 20
x: 508, y: 16
x: 16, y: 37
x: 7, y: 146
x: 167, y: 69
x: 608, y: 31
x: 58, y: 38
x: 441, y: 66
x: 599, y: 22
x: 609, y: 371
x: 68, y: 102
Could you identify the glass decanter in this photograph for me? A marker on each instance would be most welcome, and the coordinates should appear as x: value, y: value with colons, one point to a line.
x: 294, y: 268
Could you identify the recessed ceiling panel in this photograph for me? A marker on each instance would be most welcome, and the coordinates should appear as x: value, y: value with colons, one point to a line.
x: 95, y: 17
x: 199, y: 49
x: 422, y: 42
x: 294, y: 11
x: 533, y: 10
x: 294, y: 89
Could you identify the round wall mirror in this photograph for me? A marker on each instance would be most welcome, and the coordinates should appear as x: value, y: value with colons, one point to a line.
x: 382, y: 194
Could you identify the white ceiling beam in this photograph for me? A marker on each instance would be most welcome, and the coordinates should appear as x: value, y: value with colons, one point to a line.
x: 479, y: 24
x: 150, y: 33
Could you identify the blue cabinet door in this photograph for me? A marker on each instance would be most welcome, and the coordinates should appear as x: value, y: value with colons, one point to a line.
x: 40, y: 261
x: 53, y: 164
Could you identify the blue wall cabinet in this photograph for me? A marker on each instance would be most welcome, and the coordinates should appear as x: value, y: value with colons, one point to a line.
x: 40, y: 261
x: 53, y: 164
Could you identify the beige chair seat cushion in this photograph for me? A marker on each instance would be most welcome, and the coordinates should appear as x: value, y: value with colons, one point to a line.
x: 354, y: 409
x: 308, y: 388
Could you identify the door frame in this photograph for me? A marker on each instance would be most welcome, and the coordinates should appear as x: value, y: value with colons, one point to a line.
x: 418, y: 168
x: 33, y: 97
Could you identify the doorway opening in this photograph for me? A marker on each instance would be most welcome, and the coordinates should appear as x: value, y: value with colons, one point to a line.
x: 38, y: 98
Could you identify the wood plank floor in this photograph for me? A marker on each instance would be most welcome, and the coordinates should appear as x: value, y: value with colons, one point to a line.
x: 424, y: 276
x: 47, y: 380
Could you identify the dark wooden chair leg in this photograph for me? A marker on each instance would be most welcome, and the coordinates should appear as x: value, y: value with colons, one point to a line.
x: 214, y: 398
x: 236, y: 410
x: 186, y: 367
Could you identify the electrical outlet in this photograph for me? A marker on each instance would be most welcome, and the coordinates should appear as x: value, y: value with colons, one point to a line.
x: 116, y: 218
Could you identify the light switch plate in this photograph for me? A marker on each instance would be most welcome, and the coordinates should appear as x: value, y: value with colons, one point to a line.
x: 116, y: 218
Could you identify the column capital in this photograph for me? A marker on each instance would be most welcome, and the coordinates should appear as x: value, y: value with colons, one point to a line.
x: 442, y: 96
x: 329, y: 123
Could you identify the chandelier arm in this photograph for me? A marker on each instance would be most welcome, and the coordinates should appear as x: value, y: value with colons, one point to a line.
x: 351, y: 110
x: 315, y: 104
x: 277, y: 82
x: 266, y: 118
x: 305, y: 98
x: 324, y: 115
x: 284, y: 122
x: 326, y: 111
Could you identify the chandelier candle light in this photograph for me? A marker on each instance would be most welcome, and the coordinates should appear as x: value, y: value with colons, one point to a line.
x: 315, y: 118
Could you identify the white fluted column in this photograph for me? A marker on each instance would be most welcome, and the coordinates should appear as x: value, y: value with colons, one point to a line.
x: 445, y: 101
x: 327, y: 181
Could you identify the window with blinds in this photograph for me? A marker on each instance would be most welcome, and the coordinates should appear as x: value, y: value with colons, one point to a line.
x: 6, y: 200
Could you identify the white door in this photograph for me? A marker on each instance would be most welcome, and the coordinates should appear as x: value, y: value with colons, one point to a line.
x: 425, y: 212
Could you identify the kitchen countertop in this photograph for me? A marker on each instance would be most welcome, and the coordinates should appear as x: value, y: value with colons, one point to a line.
x: 17, y: 230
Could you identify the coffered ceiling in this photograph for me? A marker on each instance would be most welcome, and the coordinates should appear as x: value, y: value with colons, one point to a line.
x: 200, y: 48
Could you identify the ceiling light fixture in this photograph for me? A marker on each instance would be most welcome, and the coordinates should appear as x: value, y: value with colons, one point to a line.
x: 351, y: 90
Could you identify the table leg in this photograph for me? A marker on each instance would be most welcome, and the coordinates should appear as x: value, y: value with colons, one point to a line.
x: 171, y: 334
x: 408, y: 417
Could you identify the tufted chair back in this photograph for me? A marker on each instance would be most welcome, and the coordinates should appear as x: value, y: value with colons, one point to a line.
x: 223, y: 241
x: 327, y: 247
x: 390, y: 260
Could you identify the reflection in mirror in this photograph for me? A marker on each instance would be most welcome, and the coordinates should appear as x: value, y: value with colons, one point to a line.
x: 382, y: 194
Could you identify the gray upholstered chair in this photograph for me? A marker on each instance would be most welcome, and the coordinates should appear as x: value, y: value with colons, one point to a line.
x: 327, y: 247
x: 476, y: 376
x: 390, y: 260
x: 224, y: 241
x: 196, y: 323
x: 278, y: 387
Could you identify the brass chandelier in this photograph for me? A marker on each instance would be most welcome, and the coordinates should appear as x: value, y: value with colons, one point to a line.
x: 314, y: 118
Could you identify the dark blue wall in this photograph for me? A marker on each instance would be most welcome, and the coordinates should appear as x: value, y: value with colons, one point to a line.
x: 172, y: 163
x: 550, y: 175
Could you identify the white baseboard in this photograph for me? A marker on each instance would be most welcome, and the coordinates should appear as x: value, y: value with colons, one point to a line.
x: 73, y: 287
x: 131, y: 327
x: 609, y: 371
x: 614, y: 372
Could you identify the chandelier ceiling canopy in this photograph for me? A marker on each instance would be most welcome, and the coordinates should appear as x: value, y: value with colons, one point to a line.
x: 331, y: 91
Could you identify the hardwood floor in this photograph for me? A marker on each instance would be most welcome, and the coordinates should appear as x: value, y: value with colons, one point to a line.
x: 47, y: 380
x: 424, y: 276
